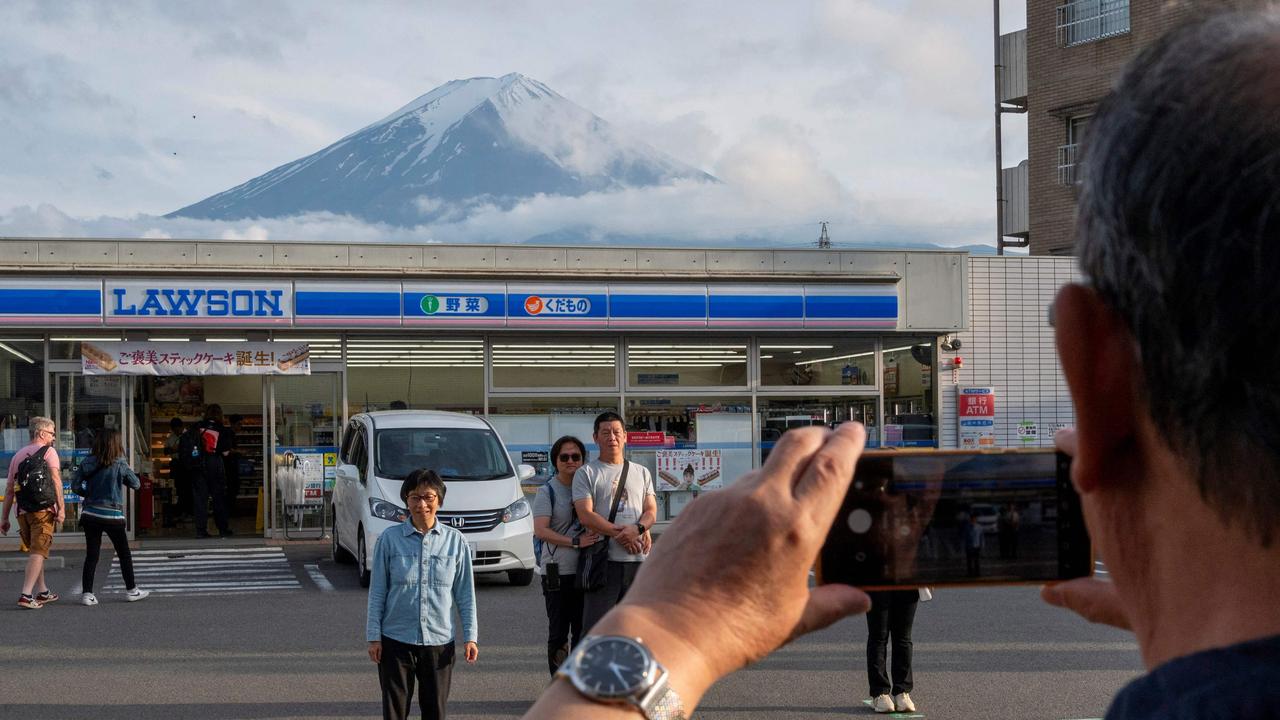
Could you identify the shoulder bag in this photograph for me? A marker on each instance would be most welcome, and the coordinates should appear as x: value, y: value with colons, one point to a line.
x: 593, y: 561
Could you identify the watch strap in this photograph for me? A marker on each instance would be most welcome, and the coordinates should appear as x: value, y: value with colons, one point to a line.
x: 662, y: 702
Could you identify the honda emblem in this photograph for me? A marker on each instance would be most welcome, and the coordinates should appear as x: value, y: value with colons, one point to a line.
x: 457, y: 522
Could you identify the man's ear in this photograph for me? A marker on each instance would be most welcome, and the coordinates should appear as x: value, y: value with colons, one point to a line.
x: 1102, y: 369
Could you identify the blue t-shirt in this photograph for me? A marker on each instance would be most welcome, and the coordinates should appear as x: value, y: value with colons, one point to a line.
x: 1232, y: 683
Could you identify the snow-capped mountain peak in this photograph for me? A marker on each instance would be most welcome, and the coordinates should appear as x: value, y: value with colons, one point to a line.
x: 481, y: 139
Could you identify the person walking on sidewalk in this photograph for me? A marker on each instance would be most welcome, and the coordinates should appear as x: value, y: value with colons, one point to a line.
x: 104, y: 475
x: 35, y: 526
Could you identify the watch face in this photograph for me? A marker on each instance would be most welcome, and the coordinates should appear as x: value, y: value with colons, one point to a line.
x: 612, y: 667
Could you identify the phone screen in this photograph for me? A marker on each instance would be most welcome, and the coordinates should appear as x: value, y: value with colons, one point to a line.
x: 951, y: 518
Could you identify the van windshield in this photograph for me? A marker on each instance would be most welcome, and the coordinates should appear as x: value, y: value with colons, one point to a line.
x: 455, y: 453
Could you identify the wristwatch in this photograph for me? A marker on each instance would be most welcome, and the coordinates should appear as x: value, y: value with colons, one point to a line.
x: 618, y: 670
x: 575, y: 541
x: 640, y: 526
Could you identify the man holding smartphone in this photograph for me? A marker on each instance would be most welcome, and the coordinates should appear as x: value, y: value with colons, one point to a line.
x: 1170, y: 351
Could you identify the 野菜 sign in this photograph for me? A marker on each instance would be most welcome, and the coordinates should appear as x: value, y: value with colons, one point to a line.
x: 193, y: 358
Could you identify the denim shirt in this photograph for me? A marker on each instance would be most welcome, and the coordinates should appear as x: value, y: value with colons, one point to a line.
x: 416, y: 581
x: 105, y: 499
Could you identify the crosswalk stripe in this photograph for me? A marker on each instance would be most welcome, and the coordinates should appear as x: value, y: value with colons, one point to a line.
x: 210, y: 572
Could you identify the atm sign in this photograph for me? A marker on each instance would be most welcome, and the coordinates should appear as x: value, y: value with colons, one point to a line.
x: 977, y: 405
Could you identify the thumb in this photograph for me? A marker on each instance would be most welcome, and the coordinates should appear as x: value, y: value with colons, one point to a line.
x: 829, y: 603
x: 1092, y: 599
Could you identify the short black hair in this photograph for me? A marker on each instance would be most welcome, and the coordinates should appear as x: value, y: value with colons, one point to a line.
x: 422, y: 477
x: 606, y: 417
x: 398, y: 405
x: 555, y: 449
x: 175, y: 423
x: 1178, y: 232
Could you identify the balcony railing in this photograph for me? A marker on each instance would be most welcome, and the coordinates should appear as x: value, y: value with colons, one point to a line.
x: 1067, y: 165
x: 1084, y: 21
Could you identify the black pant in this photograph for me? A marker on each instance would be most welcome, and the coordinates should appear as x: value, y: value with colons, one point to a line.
x: 205, y: 486
x: 892, y: 614
x: 973, y: 561
x: 431, y: 666
x: 596, y: 603
x: 93, y: 530
x: 564, y: 616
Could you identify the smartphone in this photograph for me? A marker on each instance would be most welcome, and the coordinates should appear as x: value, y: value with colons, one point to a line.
x: 925, y: 518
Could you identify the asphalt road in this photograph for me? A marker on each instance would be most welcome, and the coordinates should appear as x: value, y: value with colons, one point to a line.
x: 298, y: 652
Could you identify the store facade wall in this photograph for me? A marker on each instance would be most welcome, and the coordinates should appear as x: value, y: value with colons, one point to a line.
x: 1009, y: 347
x: 721, y: 367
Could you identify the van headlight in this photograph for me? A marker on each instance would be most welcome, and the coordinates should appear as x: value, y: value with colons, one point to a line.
x: 384, y: 510
x: 516, y: 510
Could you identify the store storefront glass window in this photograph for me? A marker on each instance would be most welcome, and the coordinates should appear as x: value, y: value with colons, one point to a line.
x: 817, y: 361
x: 21, y: 392
x: 570, y: 362
x: 780, y: 414
x: 910, y: 376
x: 690, y: 445
x: 397, y: 373
x: 653, y: 363
x: 528, y: 425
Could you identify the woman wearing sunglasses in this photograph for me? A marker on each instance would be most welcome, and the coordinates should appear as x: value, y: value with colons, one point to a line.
x: 555, y: 524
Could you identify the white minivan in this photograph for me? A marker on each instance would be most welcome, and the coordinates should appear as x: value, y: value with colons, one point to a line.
x: 483, y: 498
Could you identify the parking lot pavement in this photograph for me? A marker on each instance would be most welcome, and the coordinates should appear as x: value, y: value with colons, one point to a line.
x: 979, y: 653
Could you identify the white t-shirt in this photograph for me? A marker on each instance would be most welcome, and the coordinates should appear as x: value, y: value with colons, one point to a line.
x: 598, y: 480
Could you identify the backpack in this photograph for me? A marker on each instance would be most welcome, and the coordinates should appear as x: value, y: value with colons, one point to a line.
x: 33, y: 483
x: 190, y: 450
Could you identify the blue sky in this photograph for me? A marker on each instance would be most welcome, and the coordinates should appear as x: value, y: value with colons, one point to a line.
x: 872, y: 114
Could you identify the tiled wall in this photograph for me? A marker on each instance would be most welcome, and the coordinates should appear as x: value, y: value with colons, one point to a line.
x: 1010, y: 346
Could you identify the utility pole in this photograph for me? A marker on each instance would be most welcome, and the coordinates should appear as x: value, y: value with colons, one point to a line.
x: 824, y: 240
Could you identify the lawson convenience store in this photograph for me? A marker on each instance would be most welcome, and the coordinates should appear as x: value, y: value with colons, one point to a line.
x: 717, y: 351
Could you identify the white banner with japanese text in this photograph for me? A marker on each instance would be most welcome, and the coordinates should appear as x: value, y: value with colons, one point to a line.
x: 194, y: 358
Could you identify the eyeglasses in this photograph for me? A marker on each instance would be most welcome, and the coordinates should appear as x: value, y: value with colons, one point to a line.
x: 51, y: 433
x: 570, y: 457
x: 422, y: 499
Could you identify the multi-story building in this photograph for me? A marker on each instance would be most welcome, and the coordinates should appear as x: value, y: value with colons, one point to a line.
x: 1072, y: 52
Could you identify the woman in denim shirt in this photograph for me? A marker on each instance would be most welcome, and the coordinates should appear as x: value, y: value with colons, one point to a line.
x: 421, y: 574
x: 106, y: 475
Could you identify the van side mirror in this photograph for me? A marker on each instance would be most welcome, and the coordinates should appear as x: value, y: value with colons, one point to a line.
x: 524, y: 472
x: 347, y: 472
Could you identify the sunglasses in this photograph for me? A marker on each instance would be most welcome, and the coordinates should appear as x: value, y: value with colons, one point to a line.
x: 570, y: 457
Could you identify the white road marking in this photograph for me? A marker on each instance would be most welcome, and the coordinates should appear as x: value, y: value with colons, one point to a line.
x: 317, y: 577
x: 209, y: 572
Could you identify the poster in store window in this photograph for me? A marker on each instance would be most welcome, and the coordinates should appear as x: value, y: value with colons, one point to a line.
x: 689, y: 470
x: 303, y: 474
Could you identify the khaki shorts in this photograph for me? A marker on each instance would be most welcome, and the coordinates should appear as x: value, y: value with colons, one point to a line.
x: 36, y: 531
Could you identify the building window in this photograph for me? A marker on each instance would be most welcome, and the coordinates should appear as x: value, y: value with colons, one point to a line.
x: 399, y: 373
x: 658, y: 362
x: 1069, y: 154
x: 817, y: 361
x: 539, y: 363
x: 910, y: 374
x: 1085, y: 21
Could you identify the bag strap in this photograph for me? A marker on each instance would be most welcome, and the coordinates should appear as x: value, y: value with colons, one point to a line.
x: 622, y: 487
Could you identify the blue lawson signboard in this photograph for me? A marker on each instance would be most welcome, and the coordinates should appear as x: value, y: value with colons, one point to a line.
x: 177, y: 303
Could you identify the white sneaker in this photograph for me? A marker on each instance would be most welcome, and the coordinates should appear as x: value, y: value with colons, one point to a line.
x: 136, y: 594
x: 88, y: 600
x: 903, y: 702
x: 882, y: 704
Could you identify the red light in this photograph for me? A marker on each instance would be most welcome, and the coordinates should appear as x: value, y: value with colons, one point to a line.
x: 958, y: 362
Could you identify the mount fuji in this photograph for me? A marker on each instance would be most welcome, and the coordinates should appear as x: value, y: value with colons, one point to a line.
x: 468, y: 143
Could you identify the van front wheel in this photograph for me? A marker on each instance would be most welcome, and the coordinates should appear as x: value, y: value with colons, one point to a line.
x: 520, y: 578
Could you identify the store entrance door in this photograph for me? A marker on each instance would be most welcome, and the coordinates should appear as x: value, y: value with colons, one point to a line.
x: 168, y: 405
x: 306, y: 413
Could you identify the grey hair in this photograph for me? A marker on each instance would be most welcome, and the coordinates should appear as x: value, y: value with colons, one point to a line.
x: 1179, y: 233
x: 39, y: 423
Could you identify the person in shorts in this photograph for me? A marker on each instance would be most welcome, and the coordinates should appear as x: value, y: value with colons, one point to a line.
x: 35, y: 529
